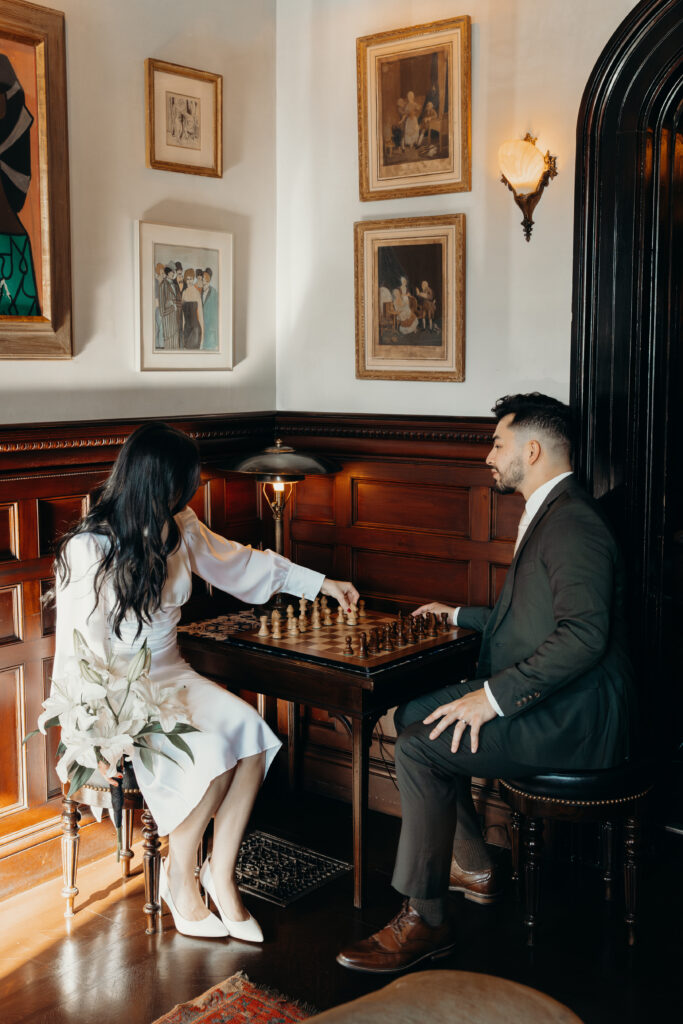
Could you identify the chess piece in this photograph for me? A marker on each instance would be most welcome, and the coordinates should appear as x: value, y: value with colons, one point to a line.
x: 349, y: 645
x: 432, y: 624
x: 352, y: 617
x: 414, y: 631
x: 315, y: 617
x: 361, y: 609
x: 292, y: 626
x: 303, y: 605
x: 303, y: 624
x: 263, y: 631
x: 363, y: 648
x: 323, y: 603
x: 327, y: 617
x: 275, y: 624
x: 373, y: 645
x: 444, y: 622
x: 290, y: 611
x: 388, y: 640
x: 340, y: 615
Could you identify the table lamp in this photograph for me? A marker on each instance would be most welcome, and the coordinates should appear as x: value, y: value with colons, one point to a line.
x: 277, y: 469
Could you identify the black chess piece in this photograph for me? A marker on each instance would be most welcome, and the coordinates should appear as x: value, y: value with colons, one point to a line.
x: 432, y: 624
x: 444, y: 622
x: 388, y: 639
x: 349, y: 646
x: 373, y: 645
x: 363, y: 647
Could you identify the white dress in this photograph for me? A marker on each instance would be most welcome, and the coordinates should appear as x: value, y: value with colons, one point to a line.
x: 230, y: 729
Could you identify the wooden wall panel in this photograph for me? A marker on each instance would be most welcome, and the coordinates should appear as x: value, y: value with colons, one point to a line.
x: 55, y: 516
x: 11, y: 630
x: 409, y: 579
x: 405, y: 506
x: 12, y: 789
x: 9, y: 533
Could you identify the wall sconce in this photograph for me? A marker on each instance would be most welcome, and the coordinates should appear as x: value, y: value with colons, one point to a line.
x: 278, y: 468
x: 526, y: 172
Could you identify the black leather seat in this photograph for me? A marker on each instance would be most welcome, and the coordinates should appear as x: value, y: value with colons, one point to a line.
x: 609, y: 796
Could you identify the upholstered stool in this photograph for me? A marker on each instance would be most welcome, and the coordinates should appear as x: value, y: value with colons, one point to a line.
x: 608, y: 796
x: 100, y: 796
x: 451, y: 997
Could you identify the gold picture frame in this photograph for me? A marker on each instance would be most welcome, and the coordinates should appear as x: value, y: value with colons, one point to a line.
x: 410, y: 298
x: 35, y: 243
x: 184, y: 119
x: 414, y: 110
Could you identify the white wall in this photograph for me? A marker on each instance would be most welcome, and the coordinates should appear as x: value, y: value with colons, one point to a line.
x: 530, y: 63
x: 107, y: 43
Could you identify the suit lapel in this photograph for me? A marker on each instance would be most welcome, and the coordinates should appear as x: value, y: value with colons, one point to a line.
x: 505, y: 598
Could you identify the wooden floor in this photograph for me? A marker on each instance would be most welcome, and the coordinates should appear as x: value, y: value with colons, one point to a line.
x: 102, y: 969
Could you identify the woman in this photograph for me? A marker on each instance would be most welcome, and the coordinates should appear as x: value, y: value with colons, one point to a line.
x: 123, y: 573
x: 193, y: 313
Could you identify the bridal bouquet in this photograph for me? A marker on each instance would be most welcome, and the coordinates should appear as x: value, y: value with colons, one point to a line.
x: 105, y: 709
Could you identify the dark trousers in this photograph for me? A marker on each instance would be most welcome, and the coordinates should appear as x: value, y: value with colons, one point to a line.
x: 435, y: 788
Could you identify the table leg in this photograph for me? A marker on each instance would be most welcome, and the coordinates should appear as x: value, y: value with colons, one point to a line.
x: 362, y: 737
x: 293, y: 744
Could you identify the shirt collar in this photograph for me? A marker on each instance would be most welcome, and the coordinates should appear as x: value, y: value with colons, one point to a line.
x: 541, y: 493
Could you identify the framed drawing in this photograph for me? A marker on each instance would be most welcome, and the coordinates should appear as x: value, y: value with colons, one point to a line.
x: 35, y: 242
x: 414, y: 111
x: 410, y: 298
x: 184, y: 296
x: 184, y: 119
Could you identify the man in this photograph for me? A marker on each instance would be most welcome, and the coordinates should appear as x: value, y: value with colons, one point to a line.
x: 554, y: 687
x: 168, y: 310
x: 210, y: 303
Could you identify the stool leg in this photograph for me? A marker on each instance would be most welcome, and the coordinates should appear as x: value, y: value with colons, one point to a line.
x: 533, y: 847
x: 70, y: 843
x: 126, y: 839
x: 151, y: 861
x: 631, y: 851
x: 608, y: 832
x: 515, y: 826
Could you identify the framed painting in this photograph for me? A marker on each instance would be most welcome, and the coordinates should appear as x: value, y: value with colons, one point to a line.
x: 184, y: 119
x: 35, y: 242
x: 184, y: 298
x: 414, y: 110
x: 410, y: 298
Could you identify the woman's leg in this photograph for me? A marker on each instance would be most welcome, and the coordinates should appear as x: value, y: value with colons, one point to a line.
x: 231, y: 820
x: 182, y: 848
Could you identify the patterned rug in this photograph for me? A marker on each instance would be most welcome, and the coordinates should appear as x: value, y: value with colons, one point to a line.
x: 280, y: 871
x: 237, y: 1001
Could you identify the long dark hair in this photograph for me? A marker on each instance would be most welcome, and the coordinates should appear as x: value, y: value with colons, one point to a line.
x: 154, y: 477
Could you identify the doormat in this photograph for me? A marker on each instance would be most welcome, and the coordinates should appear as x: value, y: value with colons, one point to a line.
x: 237, y: 1001
x: 280, y: 871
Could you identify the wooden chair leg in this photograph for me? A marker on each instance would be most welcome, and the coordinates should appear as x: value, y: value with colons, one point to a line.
x: 151, y: 860
x: 608, y: 832
x: 515, y: 827
x: 126, y: 840
x: 631, y: 850
x: 70, y: 843
x: 533, y: 847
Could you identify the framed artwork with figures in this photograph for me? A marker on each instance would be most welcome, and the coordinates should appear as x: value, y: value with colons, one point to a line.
x: 414, y: 110
x: 184, y: 295
x: 35, y: 236
x: 410, y: 298
x: 184, y: 119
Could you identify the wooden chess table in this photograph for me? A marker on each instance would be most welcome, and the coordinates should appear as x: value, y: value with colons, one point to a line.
x: 314, y: 668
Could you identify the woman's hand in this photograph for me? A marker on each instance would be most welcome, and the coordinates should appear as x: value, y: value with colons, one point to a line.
x: 340, y: 590
x: 104, y: 768
x: 435, y: 607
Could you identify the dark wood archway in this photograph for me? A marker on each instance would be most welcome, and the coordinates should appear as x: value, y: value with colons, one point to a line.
x: 627, y: 368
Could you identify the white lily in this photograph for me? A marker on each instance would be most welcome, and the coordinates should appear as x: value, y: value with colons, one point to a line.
x: 158, y: 702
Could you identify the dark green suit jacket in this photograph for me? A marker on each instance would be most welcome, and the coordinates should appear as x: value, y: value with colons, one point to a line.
x: 554, y: 648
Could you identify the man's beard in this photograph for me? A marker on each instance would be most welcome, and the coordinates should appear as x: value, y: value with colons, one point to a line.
x: 508, y: 482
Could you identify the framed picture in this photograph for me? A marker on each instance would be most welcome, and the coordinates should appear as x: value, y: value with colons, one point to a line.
x: 414, y: 111
x: 184, y: 119
x: 184, y: 298
x: 410, y: 298
x: 35, y: 243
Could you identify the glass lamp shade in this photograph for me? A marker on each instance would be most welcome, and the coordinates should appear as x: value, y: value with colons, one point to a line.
x: 523, y: 165
x: 281, y: 464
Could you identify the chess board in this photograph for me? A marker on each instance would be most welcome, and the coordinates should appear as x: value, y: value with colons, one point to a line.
x: 327, y: 643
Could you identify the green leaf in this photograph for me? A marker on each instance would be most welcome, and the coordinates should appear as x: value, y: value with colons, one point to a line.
x: 34, y: 732
x: 79, y: 778
x: 182, y: 727
x: 181, y: 745
x: 52, y: 722
x: 146, y: 756
x: 61, y: 749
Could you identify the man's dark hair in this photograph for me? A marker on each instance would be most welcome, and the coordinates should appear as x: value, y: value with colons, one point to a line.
x: 539, y: 412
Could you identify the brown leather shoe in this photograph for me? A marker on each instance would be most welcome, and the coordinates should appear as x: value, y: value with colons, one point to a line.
x: 480, y: 886
x: 404, y: 942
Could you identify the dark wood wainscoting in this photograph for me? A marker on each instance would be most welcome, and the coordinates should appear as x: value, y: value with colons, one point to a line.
x: 46, y: 475
x: 411, y: 517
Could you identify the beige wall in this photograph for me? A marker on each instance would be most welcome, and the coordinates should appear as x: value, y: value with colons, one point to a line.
x: 530, y: 62
x: 107, y: 43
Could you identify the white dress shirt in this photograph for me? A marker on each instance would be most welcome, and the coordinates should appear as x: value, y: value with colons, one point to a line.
x: 532, y: 506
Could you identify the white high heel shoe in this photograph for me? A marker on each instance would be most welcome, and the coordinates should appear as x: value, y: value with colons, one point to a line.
x: 207, y: 928
x: 247, y: 931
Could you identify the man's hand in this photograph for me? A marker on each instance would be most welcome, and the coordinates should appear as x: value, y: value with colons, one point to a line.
x: 436, y: 607
x: 340, y: 590
x: 474, y: 709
